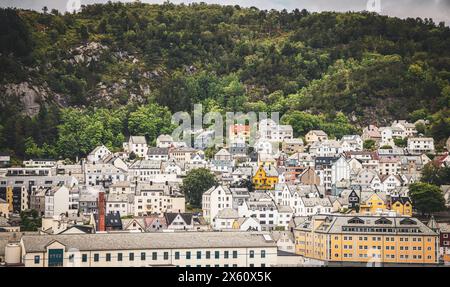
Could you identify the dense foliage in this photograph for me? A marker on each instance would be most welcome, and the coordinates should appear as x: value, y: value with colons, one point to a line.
x: 434, y: 174
x: 426, y: 198
x: 196, y: 182
x: 335, y: 71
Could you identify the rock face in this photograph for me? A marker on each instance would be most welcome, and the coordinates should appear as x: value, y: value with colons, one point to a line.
x: 87, y: 53
x: 30, y: 96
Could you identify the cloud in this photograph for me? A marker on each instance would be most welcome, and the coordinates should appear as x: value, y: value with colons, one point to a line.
x: 439, y: 10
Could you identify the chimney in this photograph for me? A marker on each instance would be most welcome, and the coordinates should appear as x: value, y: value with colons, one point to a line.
x: 101, y: 211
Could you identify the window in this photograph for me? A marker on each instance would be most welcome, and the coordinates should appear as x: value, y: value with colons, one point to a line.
x: 177, y: 255
x: 199, y: 255
x: 142, y: 256
x: 154, y: 255
x: 84, y: 258
x: 263, y: 253
x: 188, y: 255
x: 131, y: 256
x: 217, y: 254
x: 96, y: 257
x: 108, y: 256
x: 208, y: 254
x: 235, y: 254
x: 119, y: 256
x: 37, y: 259
x: 166, y: 255
x: 252, y: 254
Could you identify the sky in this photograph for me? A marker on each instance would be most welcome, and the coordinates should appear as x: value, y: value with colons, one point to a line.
x: 438, y: 10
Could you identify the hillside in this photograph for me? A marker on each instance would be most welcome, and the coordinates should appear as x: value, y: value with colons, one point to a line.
x: 69, y: 82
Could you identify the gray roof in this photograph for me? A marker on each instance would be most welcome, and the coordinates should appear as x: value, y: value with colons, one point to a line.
x: 315, y: 201
x: 138, y: 140
x: 138, y: 241
x: 335, y: 224
x: 227, y: 213
x: 158, y: 151
x: 146, y: 164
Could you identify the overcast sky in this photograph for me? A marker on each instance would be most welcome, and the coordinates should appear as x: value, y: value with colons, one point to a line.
x: 439, y: 10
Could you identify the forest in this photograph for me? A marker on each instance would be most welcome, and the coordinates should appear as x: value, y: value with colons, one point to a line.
x: 117, y: 69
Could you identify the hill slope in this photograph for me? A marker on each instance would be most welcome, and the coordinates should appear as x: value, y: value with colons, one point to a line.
x: 124, y: 56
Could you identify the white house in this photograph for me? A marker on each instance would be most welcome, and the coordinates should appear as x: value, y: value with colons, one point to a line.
x: 56, y: 201
x: 136, y: 145
x: 421, y: 145
x: 390, y: 182
x: 98, y: 154
x: 214, y: 200
x: 269, y: 130
x: 247, y: 224
x: 351, y: 143
x: 327, y: 148
x: 224, y: 219
x: 164, y: 141
x: 340, y: 171
x: 121, y: 203
x: 311, y: 206
x: 265, y: 211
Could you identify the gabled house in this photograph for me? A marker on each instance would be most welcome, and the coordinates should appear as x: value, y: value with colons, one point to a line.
x: 179, y: 221
x: 247, y: 224
x: 401, y: 205
x: 265, y: 177
x: 372, y: 202
x: 98, y: 154
x: 316, y: 136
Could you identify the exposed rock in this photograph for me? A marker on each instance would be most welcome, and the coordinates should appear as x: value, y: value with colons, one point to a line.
x: 30, y: 96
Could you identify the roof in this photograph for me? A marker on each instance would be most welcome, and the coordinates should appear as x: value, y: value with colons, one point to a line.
x: 138, y: 139
x: 336, y: 224
x: 164, y: 138
x: 170, y: 217
x: 151, y: 240
x: 227, y: 213
x: 146, y: 164
x: 276, y: 235
x: 222, y: 152
x: 318, y: 132
x: 315, y: 201
x: 224, y: 188
x: 112, y: 219
x: 158, y: 151
x: 401, y: 199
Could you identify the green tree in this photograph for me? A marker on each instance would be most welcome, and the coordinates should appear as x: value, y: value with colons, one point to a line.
x: 435, y: 174
x: 426, y: 198
x: 196, y: 182
x: 150, y: 121
x: 399, y: 142
x: 369, y: 145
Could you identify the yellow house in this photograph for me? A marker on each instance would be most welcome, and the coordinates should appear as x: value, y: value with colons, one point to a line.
x: 367, y: 240
x: 266, y: 177
x: 9, y: 197
x: 401, y: 205
x: 4, y: 208
x: 372, y: 202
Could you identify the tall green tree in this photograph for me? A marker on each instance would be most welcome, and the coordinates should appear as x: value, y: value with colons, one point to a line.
x: 196, y: 182
x: 150, y: 121
x: 426, y: 198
